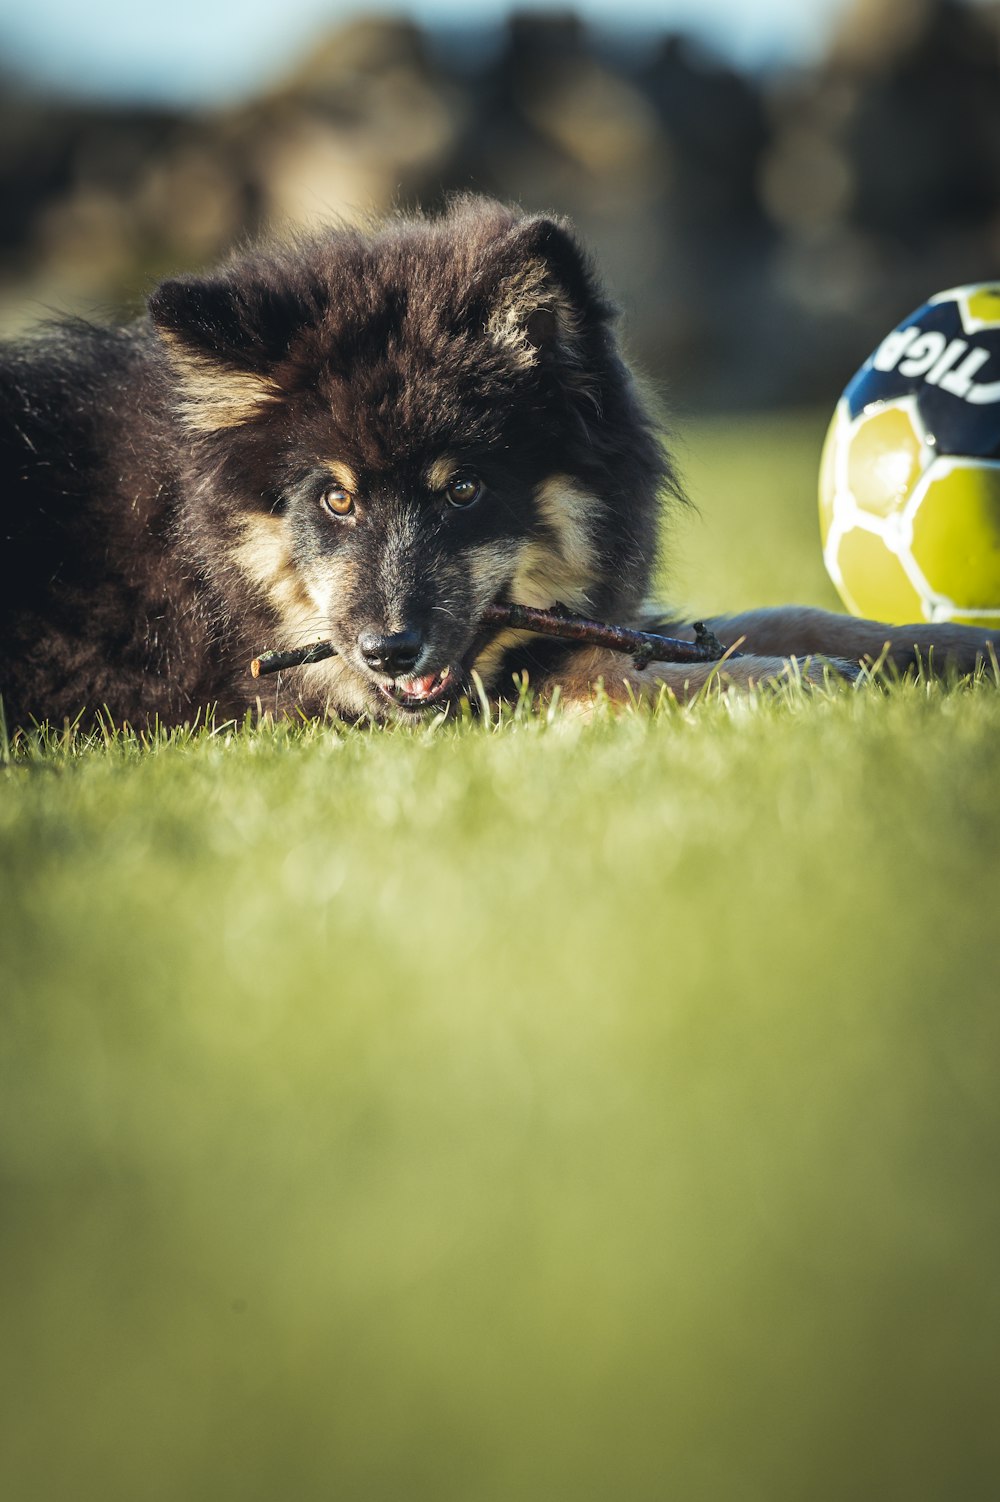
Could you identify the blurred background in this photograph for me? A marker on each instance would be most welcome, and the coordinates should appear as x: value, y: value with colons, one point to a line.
x: 767, y: 194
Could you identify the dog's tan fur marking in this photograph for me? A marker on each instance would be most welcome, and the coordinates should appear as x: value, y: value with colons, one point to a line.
x: 489, y: 567
x: 264, y: 557
x: 562, y: 566
x: 441, y: 471
x: 335, y: 681
x: 557, y: 568
x: 303, y: 607
x: 216, y: 398
x: 487, y: 664
x: 343, y: 474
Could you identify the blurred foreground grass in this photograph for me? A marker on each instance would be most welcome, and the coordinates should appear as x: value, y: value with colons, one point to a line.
x: 563, y: 1111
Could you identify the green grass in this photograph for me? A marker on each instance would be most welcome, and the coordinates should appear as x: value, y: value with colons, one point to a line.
x: 555, y: 1111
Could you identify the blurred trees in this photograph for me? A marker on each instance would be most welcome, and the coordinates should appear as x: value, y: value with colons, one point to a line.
x: 761, y: 233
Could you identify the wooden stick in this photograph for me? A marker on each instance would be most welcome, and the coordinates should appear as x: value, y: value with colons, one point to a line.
x: 643, y: 647
x: 298, y: 657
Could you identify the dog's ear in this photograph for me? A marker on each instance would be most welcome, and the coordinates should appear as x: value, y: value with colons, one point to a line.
x: 241, y: 321
x: 546, y: 293
x: 224, y: 335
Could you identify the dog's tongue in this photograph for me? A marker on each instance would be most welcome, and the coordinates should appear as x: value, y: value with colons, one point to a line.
x: 420, y: 688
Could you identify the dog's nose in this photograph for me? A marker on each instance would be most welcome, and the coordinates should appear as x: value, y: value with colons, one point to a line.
x: 393, y: 655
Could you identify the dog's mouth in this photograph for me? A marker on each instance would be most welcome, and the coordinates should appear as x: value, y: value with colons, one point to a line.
x: 446, y: 685
x: 419, y: 693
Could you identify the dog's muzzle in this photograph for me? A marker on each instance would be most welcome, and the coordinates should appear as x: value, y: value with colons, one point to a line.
x: 394, y: 659
x: 393, y: 655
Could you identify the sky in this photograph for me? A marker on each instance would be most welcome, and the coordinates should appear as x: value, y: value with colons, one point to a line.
x: 191, y: 51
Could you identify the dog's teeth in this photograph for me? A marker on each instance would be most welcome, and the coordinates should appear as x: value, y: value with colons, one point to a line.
x: 428, y: 686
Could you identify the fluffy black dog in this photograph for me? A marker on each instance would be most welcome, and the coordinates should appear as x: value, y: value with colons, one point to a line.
x: 362, y: 437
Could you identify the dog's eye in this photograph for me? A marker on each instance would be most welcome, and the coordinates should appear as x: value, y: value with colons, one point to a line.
x: 337, y: 500
x: 463, y: 490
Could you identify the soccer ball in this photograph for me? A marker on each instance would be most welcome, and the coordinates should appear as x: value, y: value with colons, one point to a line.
x: 909, y: 490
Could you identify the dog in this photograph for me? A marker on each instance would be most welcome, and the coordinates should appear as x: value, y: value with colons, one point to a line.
x: 366, y: 437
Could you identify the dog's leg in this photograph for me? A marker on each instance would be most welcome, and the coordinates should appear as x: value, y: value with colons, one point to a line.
x: 798, y: 631
x: 591, y: 669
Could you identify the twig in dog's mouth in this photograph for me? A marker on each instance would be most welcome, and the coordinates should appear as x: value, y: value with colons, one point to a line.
x: 643, y: 647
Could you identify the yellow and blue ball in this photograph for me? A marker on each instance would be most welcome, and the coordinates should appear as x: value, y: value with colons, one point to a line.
x: 909, y: 492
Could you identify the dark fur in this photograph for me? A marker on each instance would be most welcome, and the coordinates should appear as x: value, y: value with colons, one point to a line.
x: 162, y: 483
